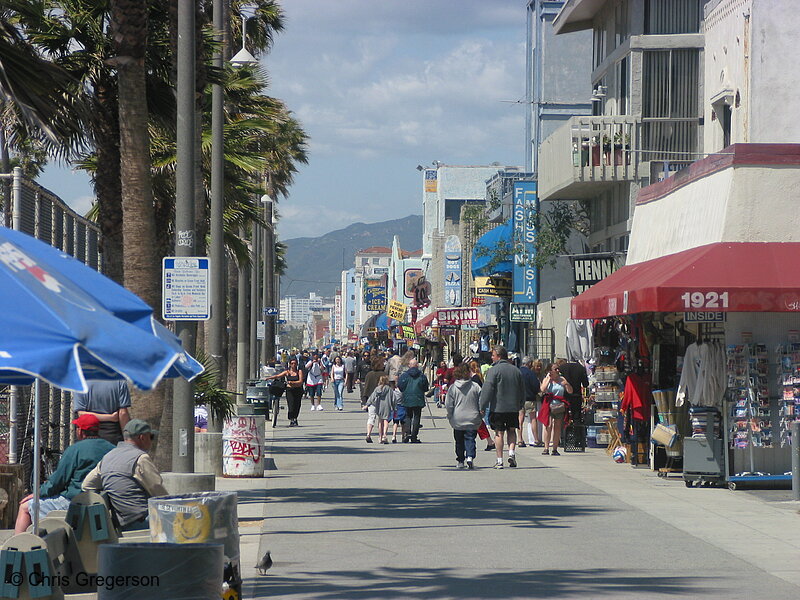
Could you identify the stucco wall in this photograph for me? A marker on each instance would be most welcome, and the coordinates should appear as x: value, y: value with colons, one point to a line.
x: 741, y: 204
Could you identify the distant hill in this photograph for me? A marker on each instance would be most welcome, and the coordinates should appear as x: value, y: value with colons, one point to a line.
x: 316, y: 264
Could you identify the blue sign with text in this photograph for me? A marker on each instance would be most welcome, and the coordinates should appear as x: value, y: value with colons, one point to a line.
x: 525, y: 275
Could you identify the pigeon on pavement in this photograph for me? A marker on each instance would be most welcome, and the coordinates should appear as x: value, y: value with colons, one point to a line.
x: 264, y: 564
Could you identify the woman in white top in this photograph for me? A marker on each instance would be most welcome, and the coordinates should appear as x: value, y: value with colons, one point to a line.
x: 337, y: 379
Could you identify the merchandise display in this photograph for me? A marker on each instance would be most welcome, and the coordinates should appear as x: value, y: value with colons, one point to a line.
x: 748, y: 392
x: 789, y: 384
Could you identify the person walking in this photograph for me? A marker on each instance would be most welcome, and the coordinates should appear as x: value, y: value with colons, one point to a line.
x: 350, y: 365
x: 380, y: 406
x: 371, y: 379
x: 362, y: 369
x: 554, y: 406
x: 440, y: 384
x: 294, y: 390
x: 532, y: 391
x: 413, y: 383
x: 503, y: 395
x: 393, y: 366
x: 337, y: 381
x: 463, y: 412
x: 315, y: 380
x: 575, y: 374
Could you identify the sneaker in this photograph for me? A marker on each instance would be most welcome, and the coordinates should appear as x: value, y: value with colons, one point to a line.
x: 498, y: 465
x: 416, y: 441
x: 394, y: 440
x: 489, y: 448
x: 369, y: 440
x: 469, y: 464
x: 512, y: 461
x: 556, y: 453
x: 460, y: 465
x: 522, y: 445
x: 319, y: 407
x: 545, y: 452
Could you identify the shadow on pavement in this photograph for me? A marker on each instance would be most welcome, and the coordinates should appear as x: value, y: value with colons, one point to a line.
x: 534, y: 509
x: 448, y: 583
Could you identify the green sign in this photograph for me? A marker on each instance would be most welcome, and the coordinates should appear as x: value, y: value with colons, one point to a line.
x: 523, y: 313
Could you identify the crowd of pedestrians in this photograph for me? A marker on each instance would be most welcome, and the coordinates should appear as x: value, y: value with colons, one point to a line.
x: 490, y: 401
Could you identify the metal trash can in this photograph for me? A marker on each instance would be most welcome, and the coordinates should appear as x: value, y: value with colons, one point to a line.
x: 202, y: 517
x: 147, y: 571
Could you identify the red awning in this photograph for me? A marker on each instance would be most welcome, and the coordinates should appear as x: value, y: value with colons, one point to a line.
x: 725, y: 276
x: 422, y: 324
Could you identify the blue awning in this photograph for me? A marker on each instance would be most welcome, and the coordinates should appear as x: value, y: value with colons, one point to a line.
x: 492, y: 252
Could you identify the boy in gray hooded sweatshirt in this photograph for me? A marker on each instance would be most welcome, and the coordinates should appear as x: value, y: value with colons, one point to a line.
x: 463, y: 412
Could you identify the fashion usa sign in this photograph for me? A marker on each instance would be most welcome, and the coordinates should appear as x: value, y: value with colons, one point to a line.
x: 524, y: 276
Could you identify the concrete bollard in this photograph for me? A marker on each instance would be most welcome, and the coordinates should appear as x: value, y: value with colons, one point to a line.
x: 188, y: 483
x: 208, y: 453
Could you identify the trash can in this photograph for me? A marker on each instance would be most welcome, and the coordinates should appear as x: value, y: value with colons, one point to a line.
x: 243, y: 446
x: 202, y: 517
x: 147, y: 571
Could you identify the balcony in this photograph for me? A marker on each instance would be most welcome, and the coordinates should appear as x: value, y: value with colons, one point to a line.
x: 587, y: 154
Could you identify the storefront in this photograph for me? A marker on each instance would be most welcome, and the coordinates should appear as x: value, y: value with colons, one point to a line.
x: 713, y: 332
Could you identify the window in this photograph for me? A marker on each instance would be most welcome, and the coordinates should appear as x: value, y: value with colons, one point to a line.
x: 352, y: 296
x: 663, y: 17
x: 376, y: 261
x: 621, y: 23
x: 599, y: 46
x: 623, y: 77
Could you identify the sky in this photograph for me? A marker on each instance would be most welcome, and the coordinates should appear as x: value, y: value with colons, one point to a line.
x: 381, y: 87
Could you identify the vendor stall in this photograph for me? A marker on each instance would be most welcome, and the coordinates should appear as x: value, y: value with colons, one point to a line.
x: 715, y: 327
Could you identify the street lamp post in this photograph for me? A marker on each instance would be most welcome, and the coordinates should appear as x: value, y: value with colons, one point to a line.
x: 268, y: 280
x: 183, y: 397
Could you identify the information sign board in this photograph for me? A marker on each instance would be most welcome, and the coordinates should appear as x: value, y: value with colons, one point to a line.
x: 523, y: 313
x: 185, y: 288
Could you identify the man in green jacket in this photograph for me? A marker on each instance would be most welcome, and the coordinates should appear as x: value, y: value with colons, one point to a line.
x: 413, y: 384
x: 65, y: 482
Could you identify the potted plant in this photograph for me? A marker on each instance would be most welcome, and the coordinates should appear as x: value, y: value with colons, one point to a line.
x: 622, y: 142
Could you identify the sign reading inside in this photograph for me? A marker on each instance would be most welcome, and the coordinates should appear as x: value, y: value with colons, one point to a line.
x: 704, y: 317
x: 590, y: 270
x: 185, y: 282
x: 525, y: 274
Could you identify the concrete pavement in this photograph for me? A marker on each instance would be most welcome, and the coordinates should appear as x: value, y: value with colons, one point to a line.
x: 346, y: 519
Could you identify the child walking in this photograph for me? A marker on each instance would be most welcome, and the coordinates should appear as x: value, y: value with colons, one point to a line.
x: 398, y: 416
x: 380, y: 406
x: 463, y: 412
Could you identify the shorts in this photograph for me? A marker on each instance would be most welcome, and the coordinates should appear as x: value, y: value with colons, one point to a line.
x: 48, y: 504
x: 504, y: 421
x: 314, y: 390
x: 372, y: 418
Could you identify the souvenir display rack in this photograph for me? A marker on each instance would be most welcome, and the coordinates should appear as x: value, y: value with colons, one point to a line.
x: 789, y: 384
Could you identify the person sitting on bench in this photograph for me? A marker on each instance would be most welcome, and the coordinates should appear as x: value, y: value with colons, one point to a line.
x: 65, y: 482
x: 128, y: 476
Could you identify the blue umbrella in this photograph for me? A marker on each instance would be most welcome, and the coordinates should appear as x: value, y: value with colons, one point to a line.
x: 64, y: 323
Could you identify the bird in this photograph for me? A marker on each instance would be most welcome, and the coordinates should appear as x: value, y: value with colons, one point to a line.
x: 264, y: 564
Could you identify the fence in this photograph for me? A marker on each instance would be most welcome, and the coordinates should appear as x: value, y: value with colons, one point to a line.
x: 38, y: 212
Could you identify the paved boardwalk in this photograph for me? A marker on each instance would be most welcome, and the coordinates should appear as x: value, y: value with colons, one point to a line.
x: 350, y: 520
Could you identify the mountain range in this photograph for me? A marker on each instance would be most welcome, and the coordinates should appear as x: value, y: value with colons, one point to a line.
x: 315, y: 264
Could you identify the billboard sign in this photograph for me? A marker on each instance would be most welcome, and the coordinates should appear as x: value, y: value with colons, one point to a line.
x: 525, y: 275
x: 375, y: 292
x: 431, y: 182
x: 396, y: 310
x: 588, y: 270
x: 493, y: 286
x: 523, y: 313
x: 452, y: 271
x: 456, y: 317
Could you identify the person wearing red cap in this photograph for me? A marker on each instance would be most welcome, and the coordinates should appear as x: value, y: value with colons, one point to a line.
x: 65, y: 482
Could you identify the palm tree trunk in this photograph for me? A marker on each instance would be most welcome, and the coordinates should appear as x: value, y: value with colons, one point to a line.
x: 141, y: 267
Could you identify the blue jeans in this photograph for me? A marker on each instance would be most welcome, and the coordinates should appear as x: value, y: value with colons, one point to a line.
x: 465, y: 443
x: 338, y: 389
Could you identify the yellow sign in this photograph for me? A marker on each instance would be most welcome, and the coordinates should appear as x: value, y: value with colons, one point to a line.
x: 396, y: 310
x: 493, y: 286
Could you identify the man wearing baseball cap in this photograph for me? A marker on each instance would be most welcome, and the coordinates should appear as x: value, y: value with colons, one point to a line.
x: 65, y: 483
x: 129, y: 476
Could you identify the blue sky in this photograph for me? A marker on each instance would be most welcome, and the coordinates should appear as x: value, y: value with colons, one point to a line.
x: 380, y: 87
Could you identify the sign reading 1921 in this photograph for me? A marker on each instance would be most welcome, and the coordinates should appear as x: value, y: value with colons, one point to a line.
x: 523, y: 313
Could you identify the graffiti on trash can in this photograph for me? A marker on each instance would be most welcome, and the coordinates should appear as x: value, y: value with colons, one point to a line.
x: 242, y: 447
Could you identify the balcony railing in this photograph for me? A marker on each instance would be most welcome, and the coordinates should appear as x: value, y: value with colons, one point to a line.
x: 588, y: 150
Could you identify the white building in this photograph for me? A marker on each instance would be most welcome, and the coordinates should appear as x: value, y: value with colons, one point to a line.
x: 296, y: 310
x: 369, y: 262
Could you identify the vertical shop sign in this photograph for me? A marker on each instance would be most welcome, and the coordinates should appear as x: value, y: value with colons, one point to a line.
x: 375, y: 292
x: 452, y: 271
x: 525, y: 274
